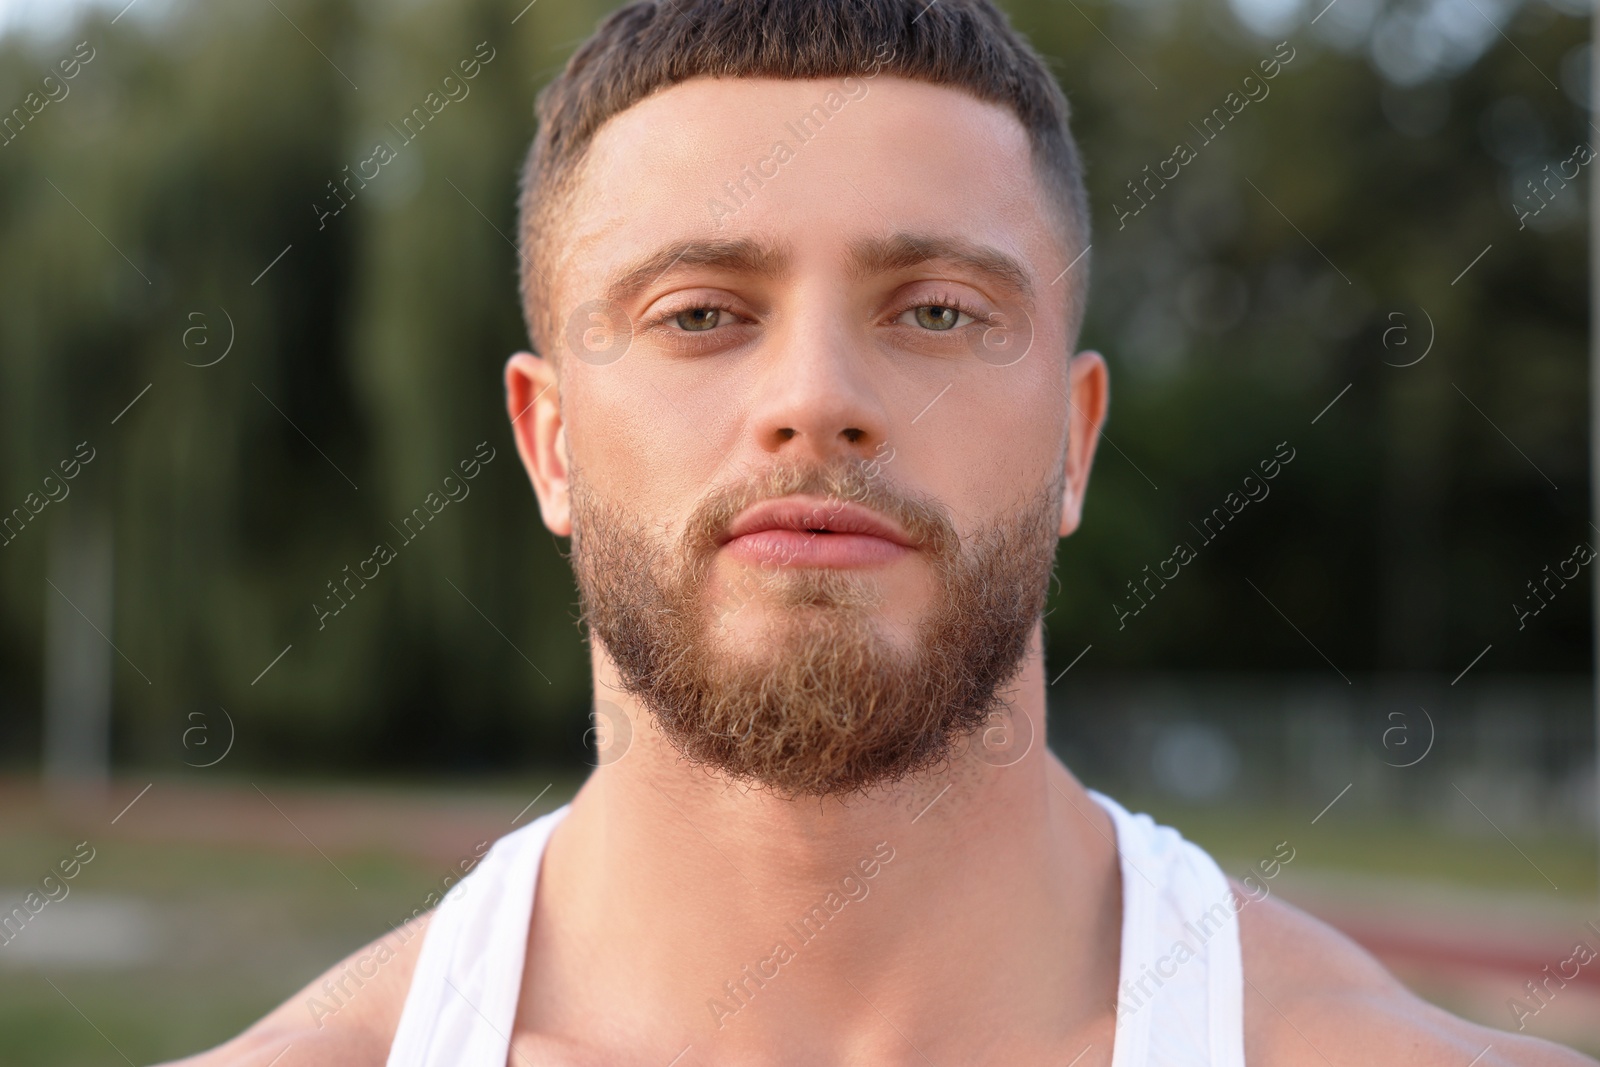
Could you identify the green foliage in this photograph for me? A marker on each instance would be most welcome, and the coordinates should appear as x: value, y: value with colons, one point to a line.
x: 195, y: 145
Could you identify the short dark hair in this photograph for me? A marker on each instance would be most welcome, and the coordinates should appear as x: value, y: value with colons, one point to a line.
x: 648, y: 45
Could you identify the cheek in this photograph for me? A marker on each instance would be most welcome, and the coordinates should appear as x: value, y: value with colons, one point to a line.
x: 633, y: 446
x: 1011, y: 437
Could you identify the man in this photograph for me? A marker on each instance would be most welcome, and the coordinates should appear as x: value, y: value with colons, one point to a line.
x: 807, y: 279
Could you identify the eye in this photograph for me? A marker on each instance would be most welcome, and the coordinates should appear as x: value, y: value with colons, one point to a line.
x: 699, y: 320
x: 698, y: 323
x: 936, y: 318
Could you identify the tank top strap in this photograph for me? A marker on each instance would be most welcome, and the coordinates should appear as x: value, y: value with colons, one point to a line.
x: 462, y: 1003
x: 1180, y: 991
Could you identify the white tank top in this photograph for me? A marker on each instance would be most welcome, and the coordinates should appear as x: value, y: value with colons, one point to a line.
x: 1180, y: 996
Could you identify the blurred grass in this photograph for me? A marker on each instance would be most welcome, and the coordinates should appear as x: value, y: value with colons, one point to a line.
x: 1476, y: 858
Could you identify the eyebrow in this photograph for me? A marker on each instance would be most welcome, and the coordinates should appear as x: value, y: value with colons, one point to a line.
x: 739, y: 256
x: 868, y: 256
x: 880, y: 255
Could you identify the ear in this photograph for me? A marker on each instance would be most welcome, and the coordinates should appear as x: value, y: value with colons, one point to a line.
x: 1088, y: 395
x: 533, y: 401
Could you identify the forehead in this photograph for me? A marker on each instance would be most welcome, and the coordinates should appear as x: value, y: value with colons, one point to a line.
x: 815, y: 166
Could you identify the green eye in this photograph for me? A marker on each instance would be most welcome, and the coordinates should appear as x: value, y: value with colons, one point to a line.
x: 698, y: 320
x: 936, y: 317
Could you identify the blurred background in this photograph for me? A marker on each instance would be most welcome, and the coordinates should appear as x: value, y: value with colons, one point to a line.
x: 224, y: 376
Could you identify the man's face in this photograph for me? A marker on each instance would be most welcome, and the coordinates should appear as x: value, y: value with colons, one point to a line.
x: 812, y: 438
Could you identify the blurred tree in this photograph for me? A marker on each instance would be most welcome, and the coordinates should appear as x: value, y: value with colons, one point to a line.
x: 178, y: 201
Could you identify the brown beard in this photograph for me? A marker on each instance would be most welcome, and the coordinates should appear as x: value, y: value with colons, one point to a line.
x: 835, y: 706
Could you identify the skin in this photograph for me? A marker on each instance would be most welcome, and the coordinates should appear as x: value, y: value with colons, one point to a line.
x: 663, y: 881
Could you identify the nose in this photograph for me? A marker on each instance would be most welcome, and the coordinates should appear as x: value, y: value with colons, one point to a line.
x: 817, y: 399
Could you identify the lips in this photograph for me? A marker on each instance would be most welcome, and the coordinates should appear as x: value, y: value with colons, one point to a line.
x: 815, y: 514
x: 815, y: 531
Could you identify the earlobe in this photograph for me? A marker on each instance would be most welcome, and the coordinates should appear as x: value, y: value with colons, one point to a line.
x: 533, y: 404
x: 1088, y: 395
x: 1071, y: 510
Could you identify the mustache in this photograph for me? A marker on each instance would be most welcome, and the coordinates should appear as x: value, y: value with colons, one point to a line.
x: 850, y: 481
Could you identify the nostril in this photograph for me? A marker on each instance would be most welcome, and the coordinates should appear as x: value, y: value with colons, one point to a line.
x: 852, y: 434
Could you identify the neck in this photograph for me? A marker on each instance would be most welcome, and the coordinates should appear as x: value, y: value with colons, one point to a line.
x: 740, y: 920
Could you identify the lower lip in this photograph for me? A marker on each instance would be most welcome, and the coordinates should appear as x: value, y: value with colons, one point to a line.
x: 801, y: 548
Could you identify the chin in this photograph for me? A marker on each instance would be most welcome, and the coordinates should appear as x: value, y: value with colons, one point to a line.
x: 763, y: 628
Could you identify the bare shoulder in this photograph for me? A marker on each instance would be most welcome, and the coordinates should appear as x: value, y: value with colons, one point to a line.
x: 346, y: 1017
x: 1312, y: 996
